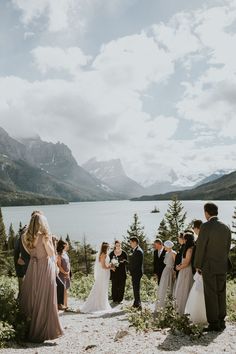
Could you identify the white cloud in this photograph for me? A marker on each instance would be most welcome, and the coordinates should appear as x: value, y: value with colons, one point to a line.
x: 68, y: 14
x: 54, y: 58
x: 99, y: 109
x: 133, y: 62
x: 56, y: 11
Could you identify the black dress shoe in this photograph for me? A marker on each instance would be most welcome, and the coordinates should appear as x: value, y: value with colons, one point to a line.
x: 222, y: 325
x: 212, y: 328
x: 137, y: 306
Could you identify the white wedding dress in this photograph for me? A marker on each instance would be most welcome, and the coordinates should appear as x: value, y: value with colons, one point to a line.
x: 195, y: 305
x: 97, y: 300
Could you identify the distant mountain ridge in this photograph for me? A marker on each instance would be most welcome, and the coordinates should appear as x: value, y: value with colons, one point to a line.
x: 112, y: 173
x: 32, y: 168
x: 222, y: 188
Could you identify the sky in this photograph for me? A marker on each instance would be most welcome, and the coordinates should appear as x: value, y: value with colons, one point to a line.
x: 152, y: 82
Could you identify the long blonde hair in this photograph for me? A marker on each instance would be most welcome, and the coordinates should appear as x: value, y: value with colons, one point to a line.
x: 38, y: 225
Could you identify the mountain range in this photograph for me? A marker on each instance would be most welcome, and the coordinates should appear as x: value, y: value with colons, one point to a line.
x: 33, y: 171
x: 222, y: 188
x: 112, y: 174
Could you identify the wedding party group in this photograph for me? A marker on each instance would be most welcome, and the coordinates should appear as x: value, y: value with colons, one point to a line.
x: 194, y: 277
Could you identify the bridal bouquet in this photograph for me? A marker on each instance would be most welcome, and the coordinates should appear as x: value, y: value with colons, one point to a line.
x: 115, y: 262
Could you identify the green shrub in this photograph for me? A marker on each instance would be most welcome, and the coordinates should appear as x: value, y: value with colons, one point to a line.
x: 144, y: 320
x: 7, y: 333
x: 81, y: 285
x: 231, y: 300
x: 10, y: 313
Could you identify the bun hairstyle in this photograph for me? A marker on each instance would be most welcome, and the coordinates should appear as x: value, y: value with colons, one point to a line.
x: 104, y: 248
x: 38, y: 225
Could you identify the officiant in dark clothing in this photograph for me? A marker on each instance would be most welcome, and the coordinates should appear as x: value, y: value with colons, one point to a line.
x: 136, y: 269
x: 21, y: 258
x: 158, y: 259
x: 211, y: 259
x: 118, y: 275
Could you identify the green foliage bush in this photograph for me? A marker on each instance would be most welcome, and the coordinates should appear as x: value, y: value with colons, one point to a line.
x: 81, y: 285
x: 145, y: 320
x: 231, y: 300
x: 13, y: 321
x: 7, y: 333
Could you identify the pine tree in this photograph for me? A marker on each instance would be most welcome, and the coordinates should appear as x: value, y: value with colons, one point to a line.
x: 11, y: 238
x: 162, y: 231
x: 87, y: 256
x: 68, y: 241
x: 234, y: 222
x: 175, y: 218
x: 3, y: 236
x: 138, y: 231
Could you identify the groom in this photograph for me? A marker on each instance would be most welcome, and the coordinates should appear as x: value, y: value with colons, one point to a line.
x: 136, y: 269
x: 211, y: 258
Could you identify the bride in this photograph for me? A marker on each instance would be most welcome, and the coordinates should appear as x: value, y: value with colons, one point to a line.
x: 98, y: 297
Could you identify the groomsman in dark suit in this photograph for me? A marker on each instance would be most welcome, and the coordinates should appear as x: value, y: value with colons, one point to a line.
x: 21, y: 258
x: 211, y: 259
x: 158, y: 259
x: 136, y: 269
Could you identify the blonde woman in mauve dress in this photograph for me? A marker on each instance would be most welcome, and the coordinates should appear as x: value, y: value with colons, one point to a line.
x: 185, y: 277
x: 167, y: 278
x: 39, y: 295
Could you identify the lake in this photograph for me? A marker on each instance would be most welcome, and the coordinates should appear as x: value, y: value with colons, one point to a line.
x: 105, y: 221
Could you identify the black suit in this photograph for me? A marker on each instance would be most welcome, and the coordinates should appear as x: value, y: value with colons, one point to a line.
x: 20, y: 252
x: 158, y: 264
x: 136, y: 271
x: 212, y: 250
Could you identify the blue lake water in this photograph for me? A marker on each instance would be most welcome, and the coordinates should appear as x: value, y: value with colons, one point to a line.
x: 105, y: 221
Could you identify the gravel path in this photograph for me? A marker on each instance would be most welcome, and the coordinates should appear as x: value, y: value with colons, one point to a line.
x: 111, y: 334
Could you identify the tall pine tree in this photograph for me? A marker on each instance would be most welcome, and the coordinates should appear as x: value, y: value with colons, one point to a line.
x: 175, y: 219
x: 3, y: 235
x: 138, y: 231
x: 162, y: 231
x: 11, y: 238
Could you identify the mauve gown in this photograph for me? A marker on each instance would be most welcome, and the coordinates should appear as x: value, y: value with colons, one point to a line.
x: 39, y: 296
x: 183, y: 286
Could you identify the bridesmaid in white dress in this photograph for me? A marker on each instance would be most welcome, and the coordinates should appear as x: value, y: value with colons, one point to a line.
x: 167, y: 277
x: 97, y: 300
x: 195, y: 306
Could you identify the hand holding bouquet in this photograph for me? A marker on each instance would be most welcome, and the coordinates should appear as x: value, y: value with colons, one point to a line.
x: 115, y: 262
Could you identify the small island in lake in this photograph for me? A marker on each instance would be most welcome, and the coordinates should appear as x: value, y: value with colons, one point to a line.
x: 155, y: 210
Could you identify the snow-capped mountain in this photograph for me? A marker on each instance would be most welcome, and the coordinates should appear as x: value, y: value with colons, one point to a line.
x: 112, y: 173
x: 173, y: 182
